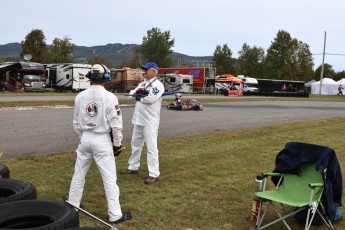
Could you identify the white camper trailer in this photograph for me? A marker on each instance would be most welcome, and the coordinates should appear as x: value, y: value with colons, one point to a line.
x: 177, y: 82
x: 68, y: 76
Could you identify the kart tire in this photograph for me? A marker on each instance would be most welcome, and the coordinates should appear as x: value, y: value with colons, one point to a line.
x: 85, y: 228
x: 13, y: 190
x: 4, y: 171
x: 38, y: 214
x: 179, y: 107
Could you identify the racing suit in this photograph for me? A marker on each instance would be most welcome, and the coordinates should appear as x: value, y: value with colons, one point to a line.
x: 96, y: 113
x: 146, y: 123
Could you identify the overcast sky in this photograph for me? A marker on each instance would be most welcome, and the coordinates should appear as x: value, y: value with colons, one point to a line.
x: 197, y: 26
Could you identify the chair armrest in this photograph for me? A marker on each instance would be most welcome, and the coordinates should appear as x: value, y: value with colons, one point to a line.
x: 314, y: 185
x: 271, y: 174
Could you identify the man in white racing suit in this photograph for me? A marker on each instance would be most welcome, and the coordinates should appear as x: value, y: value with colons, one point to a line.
x: 96, y: 114
x: 146, y: 122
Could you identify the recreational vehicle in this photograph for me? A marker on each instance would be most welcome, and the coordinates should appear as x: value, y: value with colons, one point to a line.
x: 68, y: 76
x: 203, y: 77
x: 25, y: 76
x: 177, y: 82
x: 124, y: 80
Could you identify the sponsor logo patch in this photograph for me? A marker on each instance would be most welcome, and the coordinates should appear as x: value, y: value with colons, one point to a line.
x: 92, y: 109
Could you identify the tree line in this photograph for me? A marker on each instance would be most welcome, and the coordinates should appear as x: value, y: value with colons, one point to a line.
x: 287, y: 58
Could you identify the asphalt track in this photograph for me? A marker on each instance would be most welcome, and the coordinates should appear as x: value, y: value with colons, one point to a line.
x: 43, y: 130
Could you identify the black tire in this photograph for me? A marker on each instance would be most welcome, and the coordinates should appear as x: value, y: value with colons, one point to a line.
x: 38, y: 215
x: 86, y: 228
x: 4, y: 171
x: 13, y: 190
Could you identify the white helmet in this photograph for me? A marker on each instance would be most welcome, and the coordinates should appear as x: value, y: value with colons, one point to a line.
x: 178, y: 96
x: 99, y: 72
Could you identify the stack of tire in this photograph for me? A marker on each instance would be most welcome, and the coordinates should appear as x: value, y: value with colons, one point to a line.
x: 4, y: 172
x: 20, y: 209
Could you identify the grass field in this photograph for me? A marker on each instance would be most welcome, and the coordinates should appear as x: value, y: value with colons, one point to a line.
x: 207, y: 181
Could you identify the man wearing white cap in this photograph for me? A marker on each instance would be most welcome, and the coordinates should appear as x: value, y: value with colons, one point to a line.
x: 146, y: 122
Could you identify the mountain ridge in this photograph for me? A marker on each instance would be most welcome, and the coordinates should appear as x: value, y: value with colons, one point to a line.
x: 114, y: 53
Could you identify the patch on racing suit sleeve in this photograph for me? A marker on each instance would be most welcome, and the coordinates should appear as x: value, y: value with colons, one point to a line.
x: 155, y: 91
x: 118, y: 110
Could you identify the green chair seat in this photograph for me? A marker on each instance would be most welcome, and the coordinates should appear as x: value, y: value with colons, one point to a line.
x: 295, y: 189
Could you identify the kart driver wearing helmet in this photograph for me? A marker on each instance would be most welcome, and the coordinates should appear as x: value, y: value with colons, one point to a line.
x: 146, y: 122
x: 178, y: 99
x: 96, y: 114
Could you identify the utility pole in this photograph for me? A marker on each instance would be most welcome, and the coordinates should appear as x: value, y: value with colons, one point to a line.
x: 323, y: 62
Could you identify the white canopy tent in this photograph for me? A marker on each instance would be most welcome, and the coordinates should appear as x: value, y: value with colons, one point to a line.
x: 329, y: 87
x: 308, y: 84
x: 341, y: 82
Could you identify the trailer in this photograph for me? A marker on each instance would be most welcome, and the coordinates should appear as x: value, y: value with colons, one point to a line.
x: 67, y: 76
x: 272, y: 85
x: 203, y: 77
x: 26, y: 76
x: 177, y: 82
x: 124, y: 80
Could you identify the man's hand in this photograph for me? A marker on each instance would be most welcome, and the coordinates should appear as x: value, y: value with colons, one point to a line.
x: 142, y: 92
x: 117, y: 150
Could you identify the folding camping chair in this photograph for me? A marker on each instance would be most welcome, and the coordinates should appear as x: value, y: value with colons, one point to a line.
x: 299, y: 191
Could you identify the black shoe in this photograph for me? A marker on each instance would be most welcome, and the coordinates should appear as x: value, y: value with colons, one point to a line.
x: 128, y: 171
x: 125, y: 216
x: 151, y: 180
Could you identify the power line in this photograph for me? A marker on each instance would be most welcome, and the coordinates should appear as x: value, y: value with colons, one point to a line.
x: 330, y: 54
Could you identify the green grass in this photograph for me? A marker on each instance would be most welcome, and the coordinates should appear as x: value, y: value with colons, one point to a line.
x: 206, y: 182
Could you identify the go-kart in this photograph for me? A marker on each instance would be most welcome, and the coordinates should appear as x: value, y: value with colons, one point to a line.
x: 190, y: 104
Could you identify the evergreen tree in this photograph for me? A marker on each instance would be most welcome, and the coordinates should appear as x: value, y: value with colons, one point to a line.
x: 157, y: 46
x: 223, y: 61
